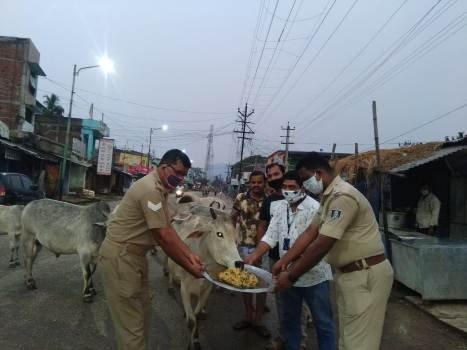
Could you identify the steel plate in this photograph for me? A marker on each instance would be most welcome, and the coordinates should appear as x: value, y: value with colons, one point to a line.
x: 264, y: 276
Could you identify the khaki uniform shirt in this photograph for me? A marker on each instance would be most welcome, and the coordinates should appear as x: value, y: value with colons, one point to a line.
x: 428, y: 211
x: 346, y: 215
x: 143, y: 207
x: 248, y: 209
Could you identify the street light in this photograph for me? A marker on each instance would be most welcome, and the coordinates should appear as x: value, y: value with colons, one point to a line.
x: 163, y: 128
x: 107, y: 67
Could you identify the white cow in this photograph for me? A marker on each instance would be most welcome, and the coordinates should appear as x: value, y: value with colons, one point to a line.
x: 10, y: 223
x: 64, y: 228
x: 210, y: 234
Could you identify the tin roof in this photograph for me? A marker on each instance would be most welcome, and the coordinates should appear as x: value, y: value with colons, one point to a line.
x: 441, y: 153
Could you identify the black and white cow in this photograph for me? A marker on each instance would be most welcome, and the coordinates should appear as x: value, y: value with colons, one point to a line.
x: 64, y: 228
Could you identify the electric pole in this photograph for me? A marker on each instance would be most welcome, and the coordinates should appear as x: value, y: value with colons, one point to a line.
x: 287, y: 142
x: 209, y: 153
x: 243, y: 119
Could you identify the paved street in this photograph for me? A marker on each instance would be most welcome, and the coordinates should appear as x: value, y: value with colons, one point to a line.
x: 54, y: 317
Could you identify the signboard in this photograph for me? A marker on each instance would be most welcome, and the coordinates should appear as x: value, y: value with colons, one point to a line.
x: 129, y: 159
x: 104, y: 160
x: 78, y: 147
x: 4, y: 130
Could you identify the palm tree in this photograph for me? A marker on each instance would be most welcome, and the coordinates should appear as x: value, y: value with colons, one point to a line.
x: 52, y: 106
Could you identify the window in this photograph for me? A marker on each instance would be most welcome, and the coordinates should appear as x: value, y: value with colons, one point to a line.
x: 26, y: 182
x: 15, y: 182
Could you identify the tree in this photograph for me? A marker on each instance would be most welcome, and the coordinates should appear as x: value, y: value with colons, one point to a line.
x: 52, y: 106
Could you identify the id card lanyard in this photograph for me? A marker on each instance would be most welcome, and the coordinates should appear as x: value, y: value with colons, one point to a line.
x: 286, y: 245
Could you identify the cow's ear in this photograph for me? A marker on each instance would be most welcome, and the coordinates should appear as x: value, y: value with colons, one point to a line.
x: 213, y: 213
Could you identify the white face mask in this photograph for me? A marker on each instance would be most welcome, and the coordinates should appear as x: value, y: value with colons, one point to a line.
x: 292, y: 196
x: 313, y: 185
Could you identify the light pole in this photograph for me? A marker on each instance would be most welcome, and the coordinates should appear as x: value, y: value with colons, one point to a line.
x: 107, y: 66
x: 163, y: 128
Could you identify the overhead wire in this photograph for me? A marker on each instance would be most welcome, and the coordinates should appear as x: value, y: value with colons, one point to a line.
x: 315, y: 57
x: 368, y: 72
x: 327, y: 10
x: 262, y: 51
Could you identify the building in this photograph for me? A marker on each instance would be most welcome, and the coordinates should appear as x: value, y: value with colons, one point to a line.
x: 83, y: 132
x: 19, y: 71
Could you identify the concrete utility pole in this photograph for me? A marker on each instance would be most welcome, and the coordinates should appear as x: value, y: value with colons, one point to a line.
x: 243, y: 119
x: 287, y: 142
x: 209, y: 153
x: 149, y: 148
x: 381, y: 183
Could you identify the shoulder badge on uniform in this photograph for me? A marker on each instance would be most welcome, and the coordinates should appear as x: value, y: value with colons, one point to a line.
x: 336, y: 214
x: 154, y: 207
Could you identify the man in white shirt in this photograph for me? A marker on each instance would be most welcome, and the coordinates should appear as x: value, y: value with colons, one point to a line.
x: 427, y: 211
x: 289, y: 218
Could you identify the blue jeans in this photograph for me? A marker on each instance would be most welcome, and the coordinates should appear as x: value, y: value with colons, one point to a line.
x: 319, y: 301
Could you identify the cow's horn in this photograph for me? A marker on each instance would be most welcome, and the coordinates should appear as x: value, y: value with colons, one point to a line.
x: 213, y: 213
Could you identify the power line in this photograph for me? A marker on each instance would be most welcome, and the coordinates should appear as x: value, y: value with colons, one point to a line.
x: 278, y: 42
x: 307, y: 45
x: 358, y: 55
x: 262, y: 51
x: 444, y: 115
x: 166, y: 109
x: 355, y: 84
x: 315, y: 57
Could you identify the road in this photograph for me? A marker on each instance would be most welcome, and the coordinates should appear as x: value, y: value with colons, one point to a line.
x: 53, y: 317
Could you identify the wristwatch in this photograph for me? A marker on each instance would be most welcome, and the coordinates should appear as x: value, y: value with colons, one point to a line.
x: 291, y: 278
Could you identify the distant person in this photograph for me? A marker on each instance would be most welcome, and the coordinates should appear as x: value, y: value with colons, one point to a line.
x: 428, y: 208
x: 245, y: 213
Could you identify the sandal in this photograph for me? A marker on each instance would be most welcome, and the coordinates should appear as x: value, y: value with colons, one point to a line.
x: 240, y: 326
x: 262, y: 331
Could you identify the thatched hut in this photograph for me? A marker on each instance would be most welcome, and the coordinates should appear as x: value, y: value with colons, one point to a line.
x: 365, y: 163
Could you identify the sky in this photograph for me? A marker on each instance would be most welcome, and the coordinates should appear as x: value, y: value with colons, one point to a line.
x: 316, y: 64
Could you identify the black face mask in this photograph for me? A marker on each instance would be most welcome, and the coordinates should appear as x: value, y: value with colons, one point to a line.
x: 276, y: 184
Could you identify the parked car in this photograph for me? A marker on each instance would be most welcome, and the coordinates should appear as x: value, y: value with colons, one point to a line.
x: 18, y: 189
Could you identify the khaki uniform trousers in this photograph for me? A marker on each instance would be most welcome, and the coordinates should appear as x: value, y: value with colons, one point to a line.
x: 362, y: 297
x: 125, y: 280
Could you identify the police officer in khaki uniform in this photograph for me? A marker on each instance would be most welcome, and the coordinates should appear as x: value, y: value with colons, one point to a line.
x: 140, y: 221
x: 344, y: 229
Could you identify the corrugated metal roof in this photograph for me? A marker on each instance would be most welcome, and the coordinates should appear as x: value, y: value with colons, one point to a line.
x: 30, y: 151
x: 444, y: 152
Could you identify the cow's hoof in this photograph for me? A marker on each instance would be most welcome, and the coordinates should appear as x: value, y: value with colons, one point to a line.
x: 31, y: 284
x: 92, y: 291
x: 17, y: 263
x: 87, y: 298
x: 196, y: 345
x: 12, y: 264
x: 171, y: 291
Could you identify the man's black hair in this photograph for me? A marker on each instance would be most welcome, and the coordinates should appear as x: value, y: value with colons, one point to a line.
x: 272, y: 165
x: 293, y: 175
x: 257, y: 173
x: 314, y: 161
x: 172, y: 156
